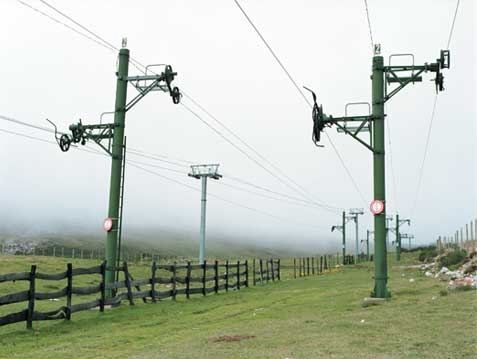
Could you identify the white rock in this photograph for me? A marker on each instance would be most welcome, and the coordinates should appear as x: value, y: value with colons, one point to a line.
x: 362, y: 320
x: 428, y: 274
x: 411, y: 280
x: 444, y: 270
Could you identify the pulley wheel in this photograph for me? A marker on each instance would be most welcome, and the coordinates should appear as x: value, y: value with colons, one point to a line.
x: 65, y: 143
x: 176, y: 95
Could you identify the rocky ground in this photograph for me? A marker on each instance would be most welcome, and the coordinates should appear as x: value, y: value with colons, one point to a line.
x: 464, y: 277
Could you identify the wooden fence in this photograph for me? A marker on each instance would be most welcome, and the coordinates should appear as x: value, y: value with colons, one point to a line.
x: 178, y: 279
x: 304, y: 267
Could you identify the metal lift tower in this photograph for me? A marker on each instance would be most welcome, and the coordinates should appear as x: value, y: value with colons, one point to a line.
x: 387, y: 81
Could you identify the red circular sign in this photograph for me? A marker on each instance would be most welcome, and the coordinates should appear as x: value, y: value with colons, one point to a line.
x: 108, y: 224
x: 377, y: 206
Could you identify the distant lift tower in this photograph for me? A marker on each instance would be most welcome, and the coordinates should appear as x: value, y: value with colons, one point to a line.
x: 388, y: 228
x: 342, y: 229
x: 354, y: 213
x: 398, y: 235
x: 396, y: 229
x: 203, y: 172
x: 368, y: 232
x: 408, y: 236
x: 386, y: 82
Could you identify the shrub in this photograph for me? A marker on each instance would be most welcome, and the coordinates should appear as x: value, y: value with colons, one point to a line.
x: 427, y: 253
x: 452, y: 258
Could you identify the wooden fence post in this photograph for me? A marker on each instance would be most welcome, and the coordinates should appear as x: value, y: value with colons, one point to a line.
x: 308, y: 265
x: 216, y: 276
x: 174, y: 291
x: 238, y: 275
x: 279, y: 270
x: 127, y: 281
x: 261, y: 271
x: 204, y: 274
x: 272, y: 270
x: 246, y: 273
x: 69, y: 289
x: 268, y: 270
x: 321, y: 264
x: 187, y: 279
x: 153, y: 281
x: 103, y: 287
x: 226, y: 275
x: 253, y: 274
x: 313, y: 265
x: 294, y: 268
x: 31, y: 298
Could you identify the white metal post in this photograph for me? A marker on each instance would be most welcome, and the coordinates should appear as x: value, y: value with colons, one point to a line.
x: 202, y: 220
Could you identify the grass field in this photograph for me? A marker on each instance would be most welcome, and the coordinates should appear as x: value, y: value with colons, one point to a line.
x: 313, y: 317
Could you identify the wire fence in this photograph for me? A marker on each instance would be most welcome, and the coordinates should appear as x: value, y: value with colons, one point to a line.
x: 462, y: 238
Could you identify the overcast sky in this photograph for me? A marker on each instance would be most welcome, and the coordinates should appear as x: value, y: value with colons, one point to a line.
x: 48, y: 71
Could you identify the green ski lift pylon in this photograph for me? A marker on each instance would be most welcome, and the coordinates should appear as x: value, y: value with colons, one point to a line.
x: 398, y: 235
x: 110, y: 137
x: 382, y: 76
x: 342, y: 229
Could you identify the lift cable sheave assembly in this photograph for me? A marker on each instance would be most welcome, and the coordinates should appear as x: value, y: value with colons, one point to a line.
x: 387, y: 81
x: 81, y: 133
x: 321, y: 120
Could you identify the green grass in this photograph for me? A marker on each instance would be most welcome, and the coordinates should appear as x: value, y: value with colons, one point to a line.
x: 313, y: 317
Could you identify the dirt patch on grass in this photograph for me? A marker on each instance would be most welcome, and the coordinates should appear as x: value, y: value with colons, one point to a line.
x: 232, y: 338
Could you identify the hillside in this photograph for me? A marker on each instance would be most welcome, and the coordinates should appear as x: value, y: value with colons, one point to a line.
x: 160, y: 243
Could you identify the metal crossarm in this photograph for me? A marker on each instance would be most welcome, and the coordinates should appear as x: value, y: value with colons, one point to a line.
x: 403, y: 81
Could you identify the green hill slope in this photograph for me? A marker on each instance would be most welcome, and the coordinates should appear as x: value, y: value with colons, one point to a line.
x: 312, y: 317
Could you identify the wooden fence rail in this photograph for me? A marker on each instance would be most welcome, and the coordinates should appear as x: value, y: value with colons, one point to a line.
x: 165, y: 281
x: 225, y: 277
